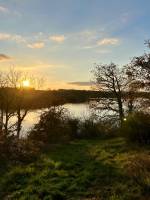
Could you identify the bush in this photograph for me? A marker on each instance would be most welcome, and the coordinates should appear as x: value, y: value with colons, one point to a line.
x: 16, y: 150
x: 137, y: 128
x: 52, y: 127
x: 73, y: 125
x: 4, y: 146
x: 90, y: 128
x: 56, y: 125
x: 23, y: 150
x: 138, y: 168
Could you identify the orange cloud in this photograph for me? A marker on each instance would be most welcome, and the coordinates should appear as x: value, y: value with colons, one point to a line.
x: 5, y: 36
x: 57, y: 38
x: 36, y: 45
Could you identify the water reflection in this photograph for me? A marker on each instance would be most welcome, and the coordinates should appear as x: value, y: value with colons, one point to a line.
x: 78, y: 110
x: 75, y: 110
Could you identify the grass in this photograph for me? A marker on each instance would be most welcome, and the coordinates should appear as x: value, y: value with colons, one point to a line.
x: 81, y: 170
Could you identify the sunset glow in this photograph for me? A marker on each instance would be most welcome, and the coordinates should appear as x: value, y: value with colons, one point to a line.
x: 64, y: 45
x: 26, y: 83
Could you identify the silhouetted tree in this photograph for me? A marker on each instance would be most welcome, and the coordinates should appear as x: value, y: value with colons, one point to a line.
x: 2, y: 86
x: 111, y: 79
x: 13, y: 101
x: 141, y: 68
x: 6, y: 103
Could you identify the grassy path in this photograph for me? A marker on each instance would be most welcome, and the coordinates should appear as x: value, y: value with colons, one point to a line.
x: 81, y: 170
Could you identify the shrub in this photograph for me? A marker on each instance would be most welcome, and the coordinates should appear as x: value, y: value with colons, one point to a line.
x: 52, y: 127
x: 4, y: 146
x: 73, y: 124
x: 90, y: 128
x: 138, y: 167
x: 137, y: 128
x: 56, y: 125
x: 16, y: 150
x: 23, y: 150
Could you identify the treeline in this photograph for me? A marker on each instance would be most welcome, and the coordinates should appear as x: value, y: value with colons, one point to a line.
x: 36, y: 99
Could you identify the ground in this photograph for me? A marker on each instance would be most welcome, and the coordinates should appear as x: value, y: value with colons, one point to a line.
x: 80, y: 170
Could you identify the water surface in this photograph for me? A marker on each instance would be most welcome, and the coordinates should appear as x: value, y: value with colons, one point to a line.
x: 81, y: 110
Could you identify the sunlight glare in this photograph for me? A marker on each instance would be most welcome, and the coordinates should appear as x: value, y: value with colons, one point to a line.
x: 26, y: 83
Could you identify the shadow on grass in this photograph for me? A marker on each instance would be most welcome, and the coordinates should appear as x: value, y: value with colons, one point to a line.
x: 83, y: 169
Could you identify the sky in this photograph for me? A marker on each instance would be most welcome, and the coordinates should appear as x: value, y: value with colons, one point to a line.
x: 61, y: 40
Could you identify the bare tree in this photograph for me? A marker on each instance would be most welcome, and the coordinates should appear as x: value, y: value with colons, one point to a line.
x: 140, y: 70
x: 141, y: 67
x: 111, y: 79
x: 3, y: 84
x: 11, y: 101
x: 16, y: 79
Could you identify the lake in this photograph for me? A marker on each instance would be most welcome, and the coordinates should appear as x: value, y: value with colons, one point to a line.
x: 80, y: 110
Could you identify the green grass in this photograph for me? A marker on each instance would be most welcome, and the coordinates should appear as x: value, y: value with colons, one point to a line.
x: 81, y: 170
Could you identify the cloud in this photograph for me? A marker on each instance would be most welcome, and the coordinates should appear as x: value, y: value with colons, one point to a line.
x: 108, y: 41
x: 57, y: 38
x: 3, y: 9
x: 80, y: 83
x: 4, y: 36
x: 15, y: 37
x: 92, y: 39
x: 18, y: 38
x: 4, y: 57
x: 36, y: 45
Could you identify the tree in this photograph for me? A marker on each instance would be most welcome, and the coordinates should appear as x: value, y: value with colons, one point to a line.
x: 141, y: 67
x: 16, y: 79
x: 3, y: 84
x: 6, y: 103
x: 111, y: 79
x: 13, y: 99
x: 140, y: 70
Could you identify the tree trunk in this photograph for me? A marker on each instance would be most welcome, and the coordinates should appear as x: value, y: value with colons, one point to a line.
x: 121, y: 111
x: 20, y: 118
x: 1, y: 119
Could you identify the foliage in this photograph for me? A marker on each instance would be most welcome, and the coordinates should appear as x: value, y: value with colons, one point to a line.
x: 89, y: 128
x: 138, y: 167
x: 136, y: 128
x: 73, y: 124
x: 52, y: 127
x: 56, y: 125
x: 14, y: 150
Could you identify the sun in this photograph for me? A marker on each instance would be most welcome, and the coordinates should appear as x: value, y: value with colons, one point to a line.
x: 26, y: 83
